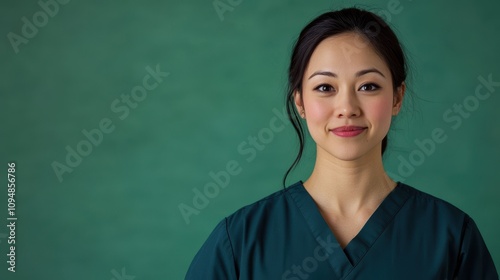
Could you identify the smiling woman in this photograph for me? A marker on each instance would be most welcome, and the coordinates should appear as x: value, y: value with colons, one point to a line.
x: 349, y: 219
x: 348, y: 92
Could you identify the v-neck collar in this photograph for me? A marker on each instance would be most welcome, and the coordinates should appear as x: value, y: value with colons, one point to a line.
x: 344, y: 260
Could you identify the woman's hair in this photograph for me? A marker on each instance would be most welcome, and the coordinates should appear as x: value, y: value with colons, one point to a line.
x: 367, y: 24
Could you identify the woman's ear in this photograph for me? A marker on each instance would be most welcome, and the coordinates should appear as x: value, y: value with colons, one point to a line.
x: 299, y: 104
x: 398, y: 99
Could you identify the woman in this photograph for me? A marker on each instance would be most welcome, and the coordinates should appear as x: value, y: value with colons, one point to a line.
x: 349, y: 219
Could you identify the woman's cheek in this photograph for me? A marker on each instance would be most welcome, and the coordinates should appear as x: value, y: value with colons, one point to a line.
x: 318, y: 112
x: 381, y: 112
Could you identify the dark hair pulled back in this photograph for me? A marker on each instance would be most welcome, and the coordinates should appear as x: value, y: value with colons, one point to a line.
x: 367, y: 24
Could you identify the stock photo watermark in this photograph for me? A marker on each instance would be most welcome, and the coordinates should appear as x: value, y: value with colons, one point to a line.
x: 223, y: 6
x: 30, y: 28
x: 250, y: 148
x: 221, y: 179
x: 311, y: 263
x: 121, y: 276
x: 393, y: 7
x: 254, y: 144
x: 454, y: 117
x: 12, y: 218
x: 121, y: 107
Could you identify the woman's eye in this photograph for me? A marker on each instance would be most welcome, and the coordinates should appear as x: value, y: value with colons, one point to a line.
x: 324, y: 88
x: 369, y: 87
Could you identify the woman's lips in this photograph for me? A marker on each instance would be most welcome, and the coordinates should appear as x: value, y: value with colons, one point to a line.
x: 348, y: 131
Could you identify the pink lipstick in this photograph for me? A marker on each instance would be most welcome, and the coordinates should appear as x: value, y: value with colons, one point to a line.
x: 348, y: 131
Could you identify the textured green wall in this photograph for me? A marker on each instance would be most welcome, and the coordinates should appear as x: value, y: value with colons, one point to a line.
x: 220, y: 78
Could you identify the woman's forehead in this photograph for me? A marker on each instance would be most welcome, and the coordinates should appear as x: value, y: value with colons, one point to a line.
x: 345, y: 54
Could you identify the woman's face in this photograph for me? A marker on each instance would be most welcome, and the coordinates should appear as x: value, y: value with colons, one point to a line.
x: 346, y: 83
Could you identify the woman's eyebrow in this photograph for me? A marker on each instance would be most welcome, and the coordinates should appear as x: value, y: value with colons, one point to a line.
x: 369, y: 70
x: 358, y: 74
x: 324, y: 73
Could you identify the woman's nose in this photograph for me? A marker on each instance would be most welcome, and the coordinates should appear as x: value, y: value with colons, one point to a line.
x: 347, y: 105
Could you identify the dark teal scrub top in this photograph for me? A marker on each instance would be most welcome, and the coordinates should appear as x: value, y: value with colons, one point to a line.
x: 411, y: 235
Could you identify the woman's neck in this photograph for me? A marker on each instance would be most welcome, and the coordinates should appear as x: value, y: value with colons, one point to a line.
x: 349, y: 187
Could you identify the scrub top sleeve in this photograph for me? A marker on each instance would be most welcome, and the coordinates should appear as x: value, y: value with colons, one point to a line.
x: 215, y: 258
x: 475, y: 261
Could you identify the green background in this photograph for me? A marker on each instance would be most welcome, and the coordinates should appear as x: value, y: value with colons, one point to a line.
x: 119, y: 208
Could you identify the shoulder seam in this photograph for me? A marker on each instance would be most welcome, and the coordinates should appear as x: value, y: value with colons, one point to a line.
x: 262, y: 200
x: 465, y: 226
x: 231, y: 245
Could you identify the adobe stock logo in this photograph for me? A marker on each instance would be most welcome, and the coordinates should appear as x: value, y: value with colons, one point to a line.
x: 221, y: 7
x: 454, y: 116
x: 122, y: 275
x: 219, y: 180
x: 39, y: 19
x: 121, y: 107
x: 310, y: 264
